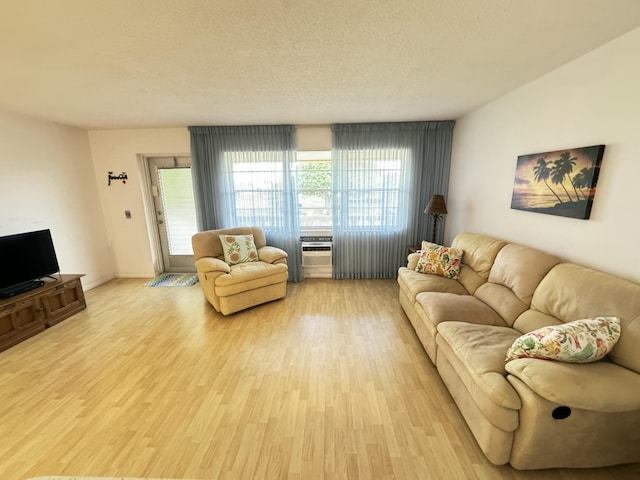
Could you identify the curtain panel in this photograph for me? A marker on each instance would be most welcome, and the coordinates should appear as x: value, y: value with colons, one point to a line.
x: 383, y: 177
x: 244, y: 176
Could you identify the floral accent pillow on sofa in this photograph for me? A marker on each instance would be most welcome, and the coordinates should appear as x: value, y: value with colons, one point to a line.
x: 238, y: 249
x: 439, y: 260
x: 580, y: 341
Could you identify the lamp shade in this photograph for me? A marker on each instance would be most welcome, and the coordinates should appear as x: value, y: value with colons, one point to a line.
x: 436, y: 206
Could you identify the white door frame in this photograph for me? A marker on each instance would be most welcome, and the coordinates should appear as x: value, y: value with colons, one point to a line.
x: 150, y: 208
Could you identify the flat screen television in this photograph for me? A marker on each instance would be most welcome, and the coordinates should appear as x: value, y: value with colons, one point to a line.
x: 25, y: 258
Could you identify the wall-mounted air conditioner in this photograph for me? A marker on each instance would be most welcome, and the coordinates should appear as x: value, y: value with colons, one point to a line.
x: 317, y: 259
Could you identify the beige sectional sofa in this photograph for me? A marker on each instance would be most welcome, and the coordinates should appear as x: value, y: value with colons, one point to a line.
x: 529, y: 412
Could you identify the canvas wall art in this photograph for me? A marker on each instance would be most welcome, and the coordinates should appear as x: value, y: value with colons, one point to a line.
x: 561, y: 183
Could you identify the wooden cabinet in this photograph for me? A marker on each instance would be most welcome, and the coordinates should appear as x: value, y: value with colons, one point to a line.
x: 19, y: 320
x: 63, y: 300
x: 27, y: 314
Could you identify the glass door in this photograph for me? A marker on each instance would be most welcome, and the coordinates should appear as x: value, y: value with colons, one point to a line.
x: 175, y: 211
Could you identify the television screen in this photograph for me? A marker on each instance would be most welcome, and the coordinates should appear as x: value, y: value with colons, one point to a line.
x: 26, y: 256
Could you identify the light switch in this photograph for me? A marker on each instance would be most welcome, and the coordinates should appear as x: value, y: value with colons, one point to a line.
x: 127, y: 214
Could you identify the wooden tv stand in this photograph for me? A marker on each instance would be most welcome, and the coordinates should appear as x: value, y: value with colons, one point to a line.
x: 29, y: 313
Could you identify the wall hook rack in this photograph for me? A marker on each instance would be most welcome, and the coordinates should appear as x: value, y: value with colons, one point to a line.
x: 122, y: 176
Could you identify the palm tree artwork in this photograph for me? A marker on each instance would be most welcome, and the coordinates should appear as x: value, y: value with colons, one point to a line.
x: 584, y: 179
x: 542, y: 172
x: 561, y: 182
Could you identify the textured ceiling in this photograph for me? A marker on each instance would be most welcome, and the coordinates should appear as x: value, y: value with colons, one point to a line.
x: 155, y: 63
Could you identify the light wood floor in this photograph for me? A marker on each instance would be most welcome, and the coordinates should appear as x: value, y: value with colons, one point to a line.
x: 330, y: 382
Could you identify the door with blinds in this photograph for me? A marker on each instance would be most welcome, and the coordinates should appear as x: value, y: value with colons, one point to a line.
x: 175, y: 211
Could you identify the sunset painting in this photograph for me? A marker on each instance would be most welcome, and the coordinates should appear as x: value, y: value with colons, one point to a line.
x: 558, y: 183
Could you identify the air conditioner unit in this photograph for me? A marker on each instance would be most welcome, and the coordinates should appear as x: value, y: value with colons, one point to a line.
x: 317, y: 259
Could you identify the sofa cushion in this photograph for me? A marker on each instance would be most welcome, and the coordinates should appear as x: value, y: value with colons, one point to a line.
x: 516, y: 272
x: 476, y: 353
x: 531, y: 320
x: 238, y: 249
x: 521, y: 269
x: 414, y: 283
x: 479, y: 251
x: 581, y: 341
x: 448, y: 307
x: 439, y: 260
x: 571, y: 292
x: 502, y: 300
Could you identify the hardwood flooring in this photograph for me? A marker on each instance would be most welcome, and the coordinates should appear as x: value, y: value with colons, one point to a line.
x: 330, y: 382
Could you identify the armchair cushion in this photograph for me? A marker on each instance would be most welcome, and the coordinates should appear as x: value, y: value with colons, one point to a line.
x: 238, y: 249
x: 250, y: 276
x: 272, y: 255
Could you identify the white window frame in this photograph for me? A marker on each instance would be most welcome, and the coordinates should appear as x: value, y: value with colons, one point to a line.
x: 313, y: 156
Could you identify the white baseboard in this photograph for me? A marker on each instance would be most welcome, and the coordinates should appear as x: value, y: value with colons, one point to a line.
x: 135, y: 275
x: 96, y: 283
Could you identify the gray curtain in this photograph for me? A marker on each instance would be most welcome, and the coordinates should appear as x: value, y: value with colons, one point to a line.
x: 243, y: 176
x: 383, y: 177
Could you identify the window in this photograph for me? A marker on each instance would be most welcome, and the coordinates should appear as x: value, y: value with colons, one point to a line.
x: 372, y: 196
x: 245, y: 176
x: 257, y: 189
x: 313, y: 180
x: 374, y: 189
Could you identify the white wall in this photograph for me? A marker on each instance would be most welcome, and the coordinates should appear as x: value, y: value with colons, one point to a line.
x: 117, y: 151
x: 313, y: 137
x: 47, y: 181
x: 592, y: 100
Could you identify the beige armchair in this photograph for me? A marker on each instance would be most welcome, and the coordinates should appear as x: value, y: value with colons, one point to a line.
x: 231, y: 288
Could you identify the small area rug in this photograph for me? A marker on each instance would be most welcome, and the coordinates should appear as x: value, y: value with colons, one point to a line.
x: 173, y: 280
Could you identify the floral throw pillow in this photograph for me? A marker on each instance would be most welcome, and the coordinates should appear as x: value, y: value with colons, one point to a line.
x: 238, y: 249
x: 580, y: 341
x: 439, y: 260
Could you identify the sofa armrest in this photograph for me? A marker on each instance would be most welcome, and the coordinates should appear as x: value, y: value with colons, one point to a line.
x: 599, y: 386
x: 412, y: 260
x: 270, y: 254
x: 212, y: 264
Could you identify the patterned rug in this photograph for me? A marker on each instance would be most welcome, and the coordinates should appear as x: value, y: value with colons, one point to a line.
x: 173, y: 280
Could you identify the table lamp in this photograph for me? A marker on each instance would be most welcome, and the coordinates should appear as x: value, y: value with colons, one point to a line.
x: 436, y: 208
